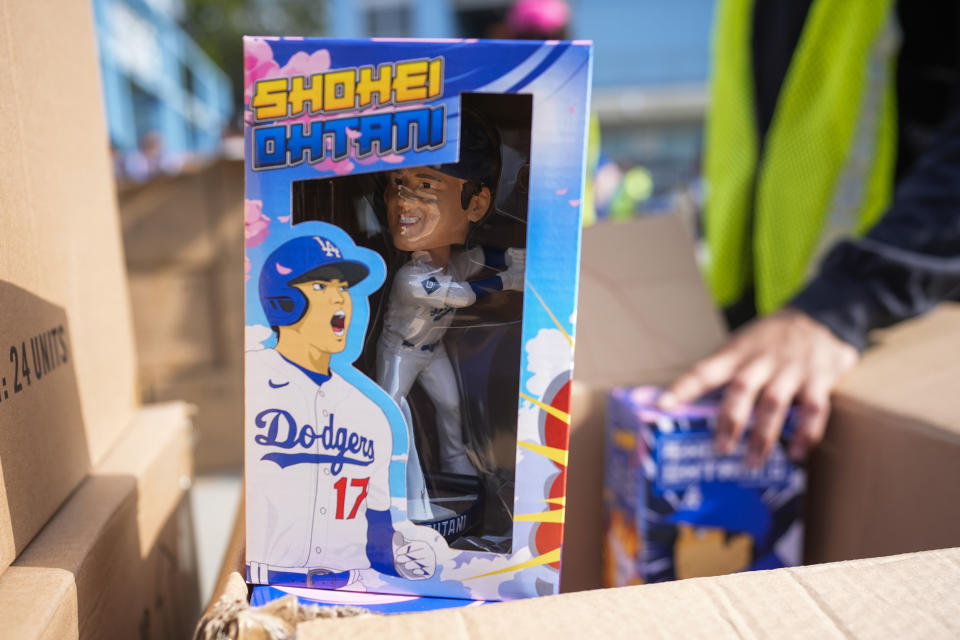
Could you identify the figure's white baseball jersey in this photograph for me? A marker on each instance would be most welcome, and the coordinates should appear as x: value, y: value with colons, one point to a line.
x: 424, y: 297
x: 320, y: 457
x: 421, y: 307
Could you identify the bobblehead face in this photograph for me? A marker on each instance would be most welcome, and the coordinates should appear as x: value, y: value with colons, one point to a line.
x: 325, y: 324
x: 425, y: 210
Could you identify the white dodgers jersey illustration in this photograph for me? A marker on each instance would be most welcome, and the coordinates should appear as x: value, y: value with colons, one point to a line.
x: 318, y: 448
x: 328, y: 459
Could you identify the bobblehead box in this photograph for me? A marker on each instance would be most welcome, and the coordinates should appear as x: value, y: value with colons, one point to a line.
x: 676, y: 509
x: 412, y: 221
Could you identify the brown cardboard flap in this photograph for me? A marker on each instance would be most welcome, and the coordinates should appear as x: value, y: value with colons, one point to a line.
x: 163, y: 470
x: 21, y: 609
x: 117, y: 559
x: 643, y: 317
x: 59, y: 232
x: 644, y: 314
x: 887, y: 477
x: 915, y: 596
x: 184, y: 251
x: 43, y: 447
x: 581, y: 566
x: 173, y: 313
x: 913, y: 371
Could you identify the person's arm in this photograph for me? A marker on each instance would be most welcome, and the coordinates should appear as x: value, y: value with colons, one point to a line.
x: 909, y: 261
x: 435, y: 290
x: 438, y: 290
x: 380, y: 541
x: 906, y: 263
x: 387, y: 549
x: 513, y: 261
x: 390, y: 553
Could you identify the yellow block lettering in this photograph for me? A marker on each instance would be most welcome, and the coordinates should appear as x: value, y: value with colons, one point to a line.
x: 435, y: 79
x: 270, y: 99
x: 368, y: 85
x: 410, y: 85
x: 339, y: 90
x: 302, y: 93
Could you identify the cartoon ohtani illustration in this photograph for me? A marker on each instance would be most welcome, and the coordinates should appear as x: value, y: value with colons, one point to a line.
x: 320, y: 445
x: 430, y: 211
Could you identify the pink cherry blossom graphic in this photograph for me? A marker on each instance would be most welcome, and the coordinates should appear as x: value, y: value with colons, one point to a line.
x: 561, y: 192
x: 258, y: 64
x: 246, y: 267
x: 392, y: 158
x: 256, y: 225
x: 282, y: 270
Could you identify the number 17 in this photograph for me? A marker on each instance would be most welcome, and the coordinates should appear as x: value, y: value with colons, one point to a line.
x: 341, y: 487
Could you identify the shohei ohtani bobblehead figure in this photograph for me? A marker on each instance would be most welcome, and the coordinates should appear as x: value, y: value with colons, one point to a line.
x: 317, y: 446
x: 430, y: 211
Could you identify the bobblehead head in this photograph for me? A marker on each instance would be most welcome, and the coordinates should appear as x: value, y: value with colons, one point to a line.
x: 433, y: 207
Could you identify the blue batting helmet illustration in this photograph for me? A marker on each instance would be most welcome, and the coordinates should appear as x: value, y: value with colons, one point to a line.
x: 302, y: 259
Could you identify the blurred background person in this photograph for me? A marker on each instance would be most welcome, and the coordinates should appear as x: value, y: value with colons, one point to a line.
x: 832, y: 168
x: 534, y: 20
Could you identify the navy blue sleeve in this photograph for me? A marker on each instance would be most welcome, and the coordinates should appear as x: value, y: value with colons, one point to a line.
x: 495, y: 258
x: 380, y: 542
x: 486, y: 286
x: 907, y: 263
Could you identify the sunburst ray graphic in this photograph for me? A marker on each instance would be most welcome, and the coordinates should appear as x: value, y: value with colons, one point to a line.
x: 554, y: 515
x: 546, y: 558
x: 557, y: 455
x: 552, y: 316
x: 554, y: 411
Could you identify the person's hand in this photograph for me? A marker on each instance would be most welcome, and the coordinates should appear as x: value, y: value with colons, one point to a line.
x: 767, y: 365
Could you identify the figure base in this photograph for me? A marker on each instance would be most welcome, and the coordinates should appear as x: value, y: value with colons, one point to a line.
x: 460, y: 499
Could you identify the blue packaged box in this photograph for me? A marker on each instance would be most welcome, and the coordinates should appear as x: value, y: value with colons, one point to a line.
x: 413, y: 213
x: 677, y: 509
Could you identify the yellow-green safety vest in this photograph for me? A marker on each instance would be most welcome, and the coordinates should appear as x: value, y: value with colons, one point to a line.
x: 827, y: 165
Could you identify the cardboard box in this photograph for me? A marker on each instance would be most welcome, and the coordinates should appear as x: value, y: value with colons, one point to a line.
x: 909, y: 596
x: 117, y: 561
x: 644, y: 316
x: 886, y: 478
x: 62, y: 269
x: 412, y: 227
x: 183, y: 251
x: 177, y: 323
x: 217, y: 394
x: 883, y: 481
